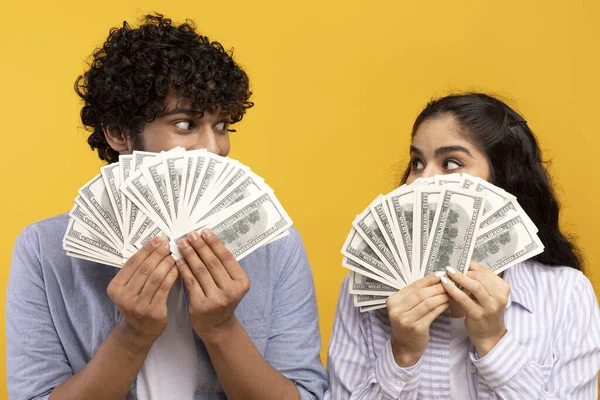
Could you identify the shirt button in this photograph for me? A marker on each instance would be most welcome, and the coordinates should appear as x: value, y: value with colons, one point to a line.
x: 398, y: 382
x: 472, y: 369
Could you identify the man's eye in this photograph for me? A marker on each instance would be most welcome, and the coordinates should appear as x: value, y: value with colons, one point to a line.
x: 221, y: 126
x: 185, y: 125
x: 451, y: 165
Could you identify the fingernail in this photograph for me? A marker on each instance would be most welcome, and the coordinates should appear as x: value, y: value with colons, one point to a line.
x: 156, y: 241
x: 166, y: 245
x: 451, y: 270
x: 439, y: 274
x: 180, y: 261
x: 183, y: 243
x: 444, y: 280
x: 193, y: 236
x: 207, y: 233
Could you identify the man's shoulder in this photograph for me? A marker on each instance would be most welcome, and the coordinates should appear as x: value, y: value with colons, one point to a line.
x: 42, y: 239
x: 50, y: 229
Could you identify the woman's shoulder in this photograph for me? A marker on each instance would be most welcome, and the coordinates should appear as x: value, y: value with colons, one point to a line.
x: 535, y: 271
x: 533, y: 282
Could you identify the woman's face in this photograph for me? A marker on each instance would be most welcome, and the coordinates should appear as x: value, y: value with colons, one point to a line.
x: 438, y: 148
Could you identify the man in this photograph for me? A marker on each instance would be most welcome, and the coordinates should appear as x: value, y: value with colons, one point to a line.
x: 80, y: 330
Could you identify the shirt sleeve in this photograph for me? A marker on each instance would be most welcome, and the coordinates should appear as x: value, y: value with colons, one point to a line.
x: 35, y: 359
x: 511, y: 374
x: 294, y: 343
x: 354, y: 373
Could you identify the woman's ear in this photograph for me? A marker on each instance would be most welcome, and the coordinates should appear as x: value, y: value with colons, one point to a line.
x: 116, y: 138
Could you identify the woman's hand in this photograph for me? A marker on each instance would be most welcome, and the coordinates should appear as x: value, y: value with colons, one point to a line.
x: 411, y: 310
x: 484, y: 308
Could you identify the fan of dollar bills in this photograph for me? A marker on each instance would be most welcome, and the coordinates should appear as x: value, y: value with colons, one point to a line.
x: 421, y: 228
x: 170, y: 194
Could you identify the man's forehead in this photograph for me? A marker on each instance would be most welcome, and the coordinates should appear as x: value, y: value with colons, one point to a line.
x: 175, y: 103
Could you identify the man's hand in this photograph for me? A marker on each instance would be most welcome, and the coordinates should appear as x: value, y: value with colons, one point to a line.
x: 215, y: 281
x: 485, y: 307
x: 141, y: 288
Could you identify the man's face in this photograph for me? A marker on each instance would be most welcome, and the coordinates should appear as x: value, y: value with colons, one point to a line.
x: 181, y: 126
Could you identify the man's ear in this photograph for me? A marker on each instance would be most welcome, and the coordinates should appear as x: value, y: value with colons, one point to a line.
x: 115, y: 138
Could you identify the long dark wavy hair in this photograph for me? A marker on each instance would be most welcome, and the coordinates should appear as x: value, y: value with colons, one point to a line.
x: 516, y: 164
x: 131, y: 75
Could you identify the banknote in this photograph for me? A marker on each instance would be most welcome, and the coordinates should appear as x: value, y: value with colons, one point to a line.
x: 169, y: 194
x: 431, y: 223
x: 246, y: 226
x: 366, y: 226
x: 358, y: 250
x: 360, y: 284
x: 454, y: 230
x: 506, y: 243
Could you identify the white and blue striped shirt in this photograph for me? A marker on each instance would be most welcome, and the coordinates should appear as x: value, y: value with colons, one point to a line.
x: 551, y: 349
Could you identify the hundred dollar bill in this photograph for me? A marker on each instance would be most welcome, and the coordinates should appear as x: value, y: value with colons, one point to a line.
x: 357, y: 249
x: 211, y: 168
x: 466, y: 181
x: 112, y: 180
x: 509, y: 209
x: 155, y: 177
x: 454, y: 230
x: 505, y: 244
x: 371, y: 308
x: 132, y: 163
x: 495, y: 197
x: 424, y: 181
x: 79, y: 235
x: 359, y: 268
x: 227, y: 180
x: 84, y: 216
x: 426, y: 201
x: 95, y: 195
x: 247, y: 225
x: 401, y: 202
x: 360, y: 284
x: 249, y: 185
x: 138, y: 190
x: 449, y: 179
x: 174, y: 168
x: 368, y: 300
x: 367, y: 227
x: 383, y: 218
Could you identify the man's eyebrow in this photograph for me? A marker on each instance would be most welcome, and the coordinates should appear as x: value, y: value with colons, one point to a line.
x: 188, y: 111
x: 450, y: 149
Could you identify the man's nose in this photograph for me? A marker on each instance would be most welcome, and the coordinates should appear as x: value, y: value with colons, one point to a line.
x: 207, y: 139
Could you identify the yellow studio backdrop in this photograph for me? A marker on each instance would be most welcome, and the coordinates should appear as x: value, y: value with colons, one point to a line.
x: 337, y: 86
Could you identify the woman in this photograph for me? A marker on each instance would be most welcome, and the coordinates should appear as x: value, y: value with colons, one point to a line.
x: 532, y: 333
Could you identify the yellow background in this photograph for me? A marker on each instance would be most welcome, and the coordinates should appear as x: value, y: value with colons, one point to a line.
x: 337, y: 86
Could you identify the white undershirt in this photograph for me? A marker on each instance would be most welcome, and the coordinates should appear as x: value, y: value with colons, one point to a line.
x: 170, y: 370
x: 459, y: 353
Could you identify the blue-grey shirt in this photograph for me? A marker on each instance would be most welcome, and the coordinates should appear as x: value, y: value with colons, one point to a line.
x: 58, y: 314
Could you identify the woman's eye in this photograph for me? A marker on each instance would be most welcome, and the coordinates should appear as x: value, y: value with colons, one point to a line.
x: 221, y: 126
x: 452, y: 165
x: 185, y: 125
x: 416, y: 164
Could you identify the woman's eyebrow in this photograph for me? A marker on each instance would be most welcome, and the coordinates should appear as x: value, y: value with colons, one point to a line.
x: 416, y: 150
x: 451, y: 149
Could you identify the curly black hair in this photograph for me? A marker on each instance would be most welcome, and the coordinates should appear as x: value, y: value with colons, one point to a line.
x: 131, y: 75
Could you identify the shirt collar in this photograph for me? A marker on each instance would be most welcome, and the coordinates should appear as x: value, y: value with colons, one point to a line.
x: 521, y: 286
